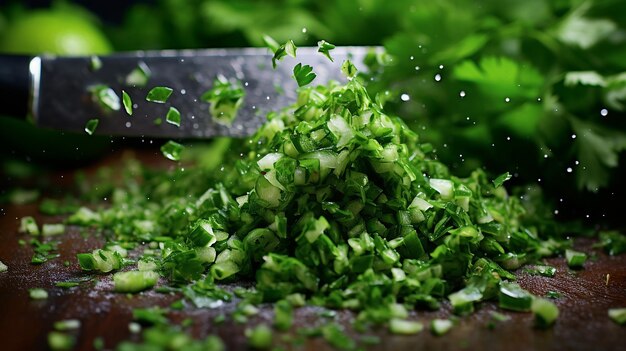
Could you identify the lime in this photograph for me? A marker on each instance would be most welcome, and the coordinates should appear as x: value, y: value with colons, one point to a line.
x: 53, y: 32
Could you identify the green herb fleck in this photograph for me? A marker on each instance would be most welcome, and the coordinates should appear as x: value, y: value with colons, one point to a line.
x: 173, y: 116
x: 501, y: 179
x: 172, y: 150
x: 91, y: 126
x: 67, y: 324
x: 58, y: 341
x: 226, y: 98
x: 159, y: 94
x: 128, y: 103
x: 303, y: 74
x: 575, y: 259
x: 325, y: 47
x: 440, y: 326
x: 259, y: 337
x: 348, y: 69
x: 134, y: 281
x: 139, y: 76
x: 105, y: 97
x: 28, y: 225
x: 618, y: 315
x: 3, y: 267
x: 52, y: 229
x: 38, y: 294
x: 95, y: 63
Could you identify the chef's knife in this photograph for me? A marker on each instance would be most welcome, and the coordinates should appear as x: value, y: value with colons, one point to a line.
x: 55, y: 91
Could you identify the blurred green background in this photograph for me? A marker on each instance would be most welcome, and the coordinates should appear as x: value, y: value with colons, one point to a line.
x: 535, y: 87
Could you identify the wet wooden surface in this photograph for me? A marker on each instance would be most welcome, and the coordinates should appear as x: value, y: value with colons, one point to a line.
x: 24, y: 323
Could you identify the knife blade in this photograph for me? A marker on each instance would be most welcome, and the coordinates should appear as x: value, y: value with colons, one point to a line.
x: 60, y: 97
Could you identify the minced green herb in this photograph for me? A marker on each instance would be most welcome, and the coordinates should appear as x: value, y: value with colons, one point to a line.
x: 575, y: 259
x: 28, y: 225
x: 159, y: 94
x: 58, y: 341
x: 139, y: 76
x: 128, y: 103
x: 618, y: 315
x: 172, y: 150
x: 225, y: 99
x: 105, y: 97
x: 91, y: 126
x: 3, y: 267
x: 173, y: 116
x: 38, y: 294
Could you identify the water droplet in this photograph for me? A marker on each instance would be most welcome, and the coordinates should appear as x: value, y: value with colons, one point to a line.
x: 417, y: 68
x: 304, y: 30
x: 462, y: 93
x: 411, y: 58
x: 556, y: 212
x: 245, y: 84
x: 573, y: 136
x: 440, y: 66
x: 576, y: 163
x: 538, y: 99
x: 267, y: 97
x: 545, y: 155
x: 604, y: 112
x: 438, y: 77
x: 569, y: 169
x: 405, y: 97
x: 128, y: 124
x: 508, y: 138
x: 507, y: 99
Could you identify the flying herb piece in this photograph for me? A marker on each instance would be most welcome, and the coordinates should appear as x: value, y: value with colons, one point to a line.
x: 134, y: 281
x: 52, y: 229
x: 172, y: 150
x: 543, y: 270
x: 100, y: 260
x: 513, y: 297
x: 440, y: 326
x: 67, y: 284
x: 3, y: 267
x: 283, y: 315
x: 95, y: 63
x: 128, y: 103
x: 58, y: 341
x: 575, y: 259
x: 271, y: 43
x: 545, y: 312
x: 91, y: 126
x: 38, y: 294
x: 325, y: 47
x: 303, y: 74
x: 259, y: 337
x: 139, y: 76
x: 501, y: 179
x: 348, y: 69
x: 28, y: 225
x: 173, y: 116
x: 618, y: 315
x: 289, y: 48
x: 158, y: 121
x: 19, y: 196
x: 105, y: 97
x: 334, y: 334
x: 226, y: 98
x: 159, y: 94
x: 553, y: 294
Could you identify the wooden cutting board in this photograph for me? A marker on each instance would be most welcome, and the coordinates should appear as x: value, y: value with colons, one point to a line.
x: 583, y: 323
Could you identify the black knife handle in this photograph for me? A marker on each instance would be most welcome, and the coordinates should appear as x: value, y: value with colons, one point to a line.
x: 15, y: 84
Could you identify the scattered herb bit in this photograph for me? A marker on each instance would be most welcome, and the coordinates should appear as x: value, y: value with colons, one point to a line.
x: 259, y: 337
x: 613, y: 242
x: 348, y: 69
x: 153, y: 315
x: 553, y: 294
x: 172, y: 150
x: 134, y: 281
x: 513, y: 297
x: 19, y: 196
x: 95, y: 63
x: 139, y: 76
x: 406, y: 327
x: 159, y: 94
x: 58, y: 341
x: 283, y: 315
x: 335, y: 336
x: 618, y: 315
x: 545, y: 312
x: 28, y: 225
x: 440, y: 326
x: 173, y: 116
x: 158, y: 121
x: 43, y: 251
x: 38, y: 294
x: 225, y: 99
x: 3, y: 267
x: 289, y: 48
x: 98, y: 343
x: 325, y: 47
x: 543, y: 270
x: 105, y: 97
x: 128, y: 103
x: 499, y: 317
x: 100, y: 260
x: 67, y: 284
x: 52, y: 229
x: 303, y: 74
x: 575, y: 259
x: 501, y: 179
x: 54, y: 207
x: 171, y: 337
x: 91, y: 126
x: 68, y: 324
x: 270, y: 42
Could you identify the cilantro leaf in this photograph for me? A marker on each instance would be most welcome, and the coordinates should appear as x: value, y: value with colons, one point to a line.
x: 303, y: 74
x: 289, y: 48
x: 325, y: 47
x: 159, y: 94
x: 501, y: 179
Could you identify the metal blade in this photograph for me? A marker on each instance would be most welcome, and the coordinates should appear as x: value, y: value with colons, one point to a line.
x: 61, y: 97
